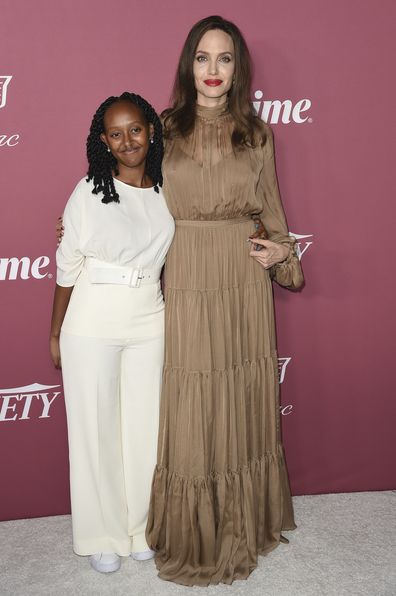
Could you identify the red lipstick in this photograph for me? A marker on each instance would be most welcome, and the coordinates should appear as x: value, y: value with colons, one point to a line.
x: 213, y: 82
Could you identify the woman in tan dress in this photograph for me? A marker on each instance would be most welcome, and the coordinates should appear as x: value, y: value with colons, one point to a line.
x: 220, y: 493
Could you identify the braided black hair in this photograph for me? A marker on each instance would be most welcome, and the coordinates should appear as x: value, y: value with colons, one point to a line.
x: 101, y: 162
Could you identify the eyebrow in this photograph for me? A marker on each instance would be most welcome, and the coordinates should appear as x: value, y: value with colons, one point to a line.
x: 140, y: 122
x: 220, y: 54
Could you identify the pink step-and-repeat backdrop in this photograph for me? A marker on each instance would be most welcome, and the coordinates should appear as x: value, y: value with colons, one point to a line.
x: 323, y: 78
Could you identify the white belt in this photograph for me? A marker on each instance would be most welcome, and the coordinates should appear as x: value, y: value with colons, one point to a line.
x: 100, y: 272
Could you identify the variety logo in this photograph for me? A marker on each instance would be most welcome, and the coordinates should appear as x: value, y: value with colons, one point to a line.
x: 4, y: 82
x: 24, y: 403
x: 23, y: 268
x: 9, y: 140
x: 282, y: 365
x: 302, y: 243
x: 274, y: 111
x: 6, y: 140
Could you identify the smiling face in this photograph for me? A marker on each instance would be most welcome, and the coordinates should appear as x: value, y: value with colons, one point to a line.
x: 214, y: 67
x: 127, y: 134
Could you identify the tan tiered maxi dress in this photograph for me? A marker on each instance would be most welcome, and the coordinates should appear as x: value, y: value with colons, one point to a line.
x: 220, y: 492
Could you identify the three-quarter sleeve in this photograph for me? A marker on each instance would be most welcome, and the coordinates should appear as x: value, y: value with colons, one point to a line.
x: 288, y: 273
x: 69, y: 258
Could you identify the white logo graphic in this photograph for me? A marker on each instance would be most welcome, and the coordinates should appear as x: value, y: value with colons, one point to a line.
x: 9, y: 141
x: 6, y: 140
x: 17, y: 402
x: 274, y: 110
x: 4, y: 82
x: 302, y: 243
x: 23, y: 268
x: 282, y: 364
x: 286, y: 410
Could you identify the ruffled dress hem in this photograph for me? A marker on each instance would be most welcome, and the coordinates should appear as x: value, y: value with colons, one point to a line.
x: 209, y: 530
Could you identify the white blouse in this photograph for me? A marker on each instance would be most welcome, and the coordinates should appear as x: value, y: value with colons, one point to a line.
x: 136, y: 232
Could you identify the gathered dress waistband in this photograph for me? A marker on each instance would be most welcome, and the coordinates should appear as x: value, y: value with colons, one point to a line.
x: 212, y: 223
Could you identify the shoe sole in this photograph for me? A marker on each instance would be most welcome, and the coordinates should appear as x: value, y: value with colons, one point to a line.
x: 142, y: 556
x: 110, y: 568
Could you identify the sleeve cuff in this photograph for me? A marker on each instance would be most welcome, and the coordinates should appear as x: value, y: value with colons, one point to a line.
x: 288, y: 273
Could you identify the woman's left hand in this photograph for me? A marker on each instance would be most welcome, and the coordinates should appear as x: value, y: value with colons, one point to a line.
x: 272, y: 252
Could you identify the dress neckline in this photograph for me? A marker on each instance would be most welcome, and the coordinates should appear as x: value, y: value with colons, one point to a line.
x: 213, y: 112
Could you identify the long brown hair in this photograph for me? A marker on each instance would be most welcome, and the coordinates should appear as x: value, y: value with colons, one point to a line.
x: 180, y: 118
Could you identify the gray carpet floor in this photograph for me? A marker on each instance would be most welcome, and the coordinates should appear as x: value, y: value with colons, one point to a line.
x: 345, y: 545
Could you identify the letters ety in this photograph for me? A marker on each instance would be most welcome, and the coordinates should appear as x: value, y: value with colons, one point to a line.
x: 25, y: 403
x: 24, y: 406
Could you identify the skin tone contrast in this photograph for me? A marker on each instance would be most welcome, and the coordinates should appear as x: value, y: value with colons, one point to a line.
x: 127, y: 135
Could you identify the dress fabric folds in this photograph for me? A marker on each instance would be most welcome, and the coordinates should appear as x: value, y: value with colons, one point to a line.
x: 220, y: 492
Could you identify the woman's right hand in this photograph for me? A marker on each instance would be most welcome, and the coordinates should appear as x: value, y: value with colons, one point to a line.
x: 59, y: 230
x: 55, y: 351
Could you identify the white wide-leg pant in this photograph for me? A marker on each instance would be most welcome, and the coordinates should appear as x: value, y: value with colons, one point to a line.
x: 112, y: 390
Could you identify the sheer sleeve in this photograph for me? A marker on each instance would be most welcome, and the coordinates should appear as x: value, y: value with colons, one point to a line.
x: 288, y: 273
x: 69, y: 258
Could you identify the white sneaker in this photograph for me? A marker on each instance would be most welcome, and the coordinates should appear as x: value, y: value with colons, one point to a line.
x: 105, y: 562
x: 144, y: 556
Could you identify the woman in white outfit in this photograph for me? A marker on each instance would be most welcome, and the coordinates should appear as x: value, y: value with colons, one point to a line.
x: 107, y: 329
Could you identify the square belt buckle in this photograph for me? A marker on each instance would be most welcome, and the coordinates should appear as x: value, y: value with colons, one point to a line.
x: 137, y: 277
